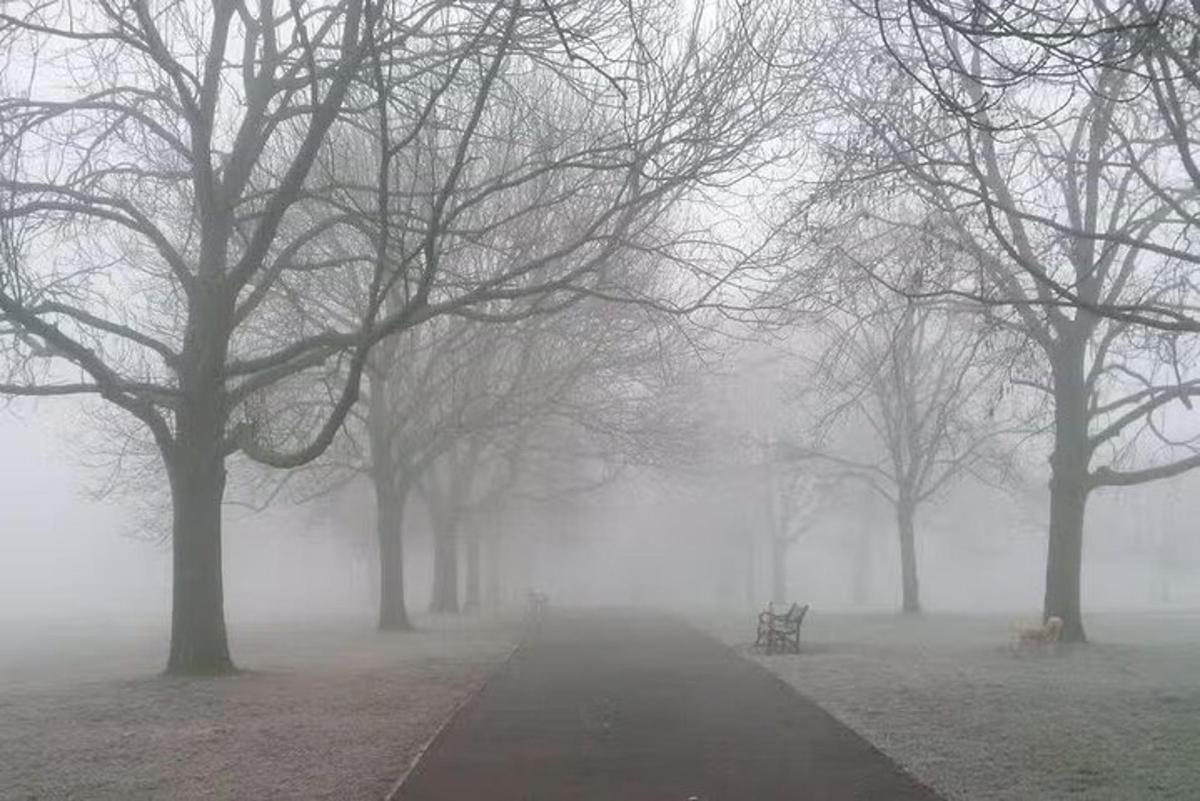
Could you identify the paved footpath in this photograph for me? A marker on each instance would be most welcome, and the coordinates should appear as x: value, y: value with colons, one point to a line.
x: 630, y: 707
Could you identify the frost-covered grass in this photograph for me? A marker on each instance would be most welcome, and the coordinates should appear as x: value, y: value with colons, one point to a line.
x: 943, y: 695
x: 332, y: 711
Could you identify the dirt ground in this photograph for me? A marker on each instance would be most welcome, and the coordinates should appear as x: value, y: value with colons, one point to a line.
x: 335, y: 710
x: 943, y: 695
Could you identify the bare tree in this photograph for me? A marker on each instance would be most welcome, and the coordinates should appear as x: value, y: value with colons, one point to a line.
x: 182, y: 177
x: 153, y: 178
x: 1000, y: 70
x: 1109, y: 379
x: 797, y: 497
x: 411, y: 418
x: 904, y: 398
x: 560, y: 390
x: 460, y: 410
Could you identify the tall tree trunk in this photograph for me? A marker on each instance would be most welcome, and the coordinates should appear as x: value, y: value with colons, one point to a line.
x: 910, y: 588
x: 391, y: 497
x: 199, y: 645
x: 196, y: 469
x: 779, y: 550
x: 1064, y: 559
x: 390, y: 503
x: 471, y: 602
x: 1069, y: 489
x: 445, y: 564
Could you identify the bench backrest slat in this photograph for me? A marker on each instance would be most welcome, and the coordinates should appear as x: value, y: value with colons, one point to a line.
x: 797, y: 612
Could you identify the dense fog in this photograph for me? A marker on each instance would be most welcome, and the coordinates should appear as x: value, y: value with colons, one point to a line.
x: 685, y: 539
x: 721, y: 383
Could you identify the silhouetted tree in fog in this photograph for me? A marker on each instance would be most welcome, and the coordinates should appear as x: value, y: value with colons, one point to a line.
x: 979, y: 64
x: 186, y: 184
x: 1048, y: 202
x: 796, y: 499
x: 904, y: 399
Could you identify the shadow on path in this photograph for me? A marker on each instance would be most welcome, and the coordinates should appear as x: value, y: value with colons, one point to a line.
x: 631, y: 707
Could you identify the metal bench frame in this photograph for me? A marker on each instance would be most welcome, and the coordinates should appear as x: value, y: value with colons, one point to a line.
x: 780, y: 633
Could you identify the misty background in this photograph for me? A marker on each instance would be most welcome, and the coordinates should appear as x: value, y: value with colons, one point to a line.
x: 69, y: 554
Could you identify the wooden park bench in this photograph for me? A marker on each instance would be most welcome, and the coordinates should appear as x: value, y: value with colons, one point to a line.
x: 780, y: 633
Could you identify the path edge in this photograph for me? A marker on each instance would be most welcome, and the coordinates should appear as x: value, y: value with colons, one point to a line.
x: 791, y: 689
x: 491, y: 674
